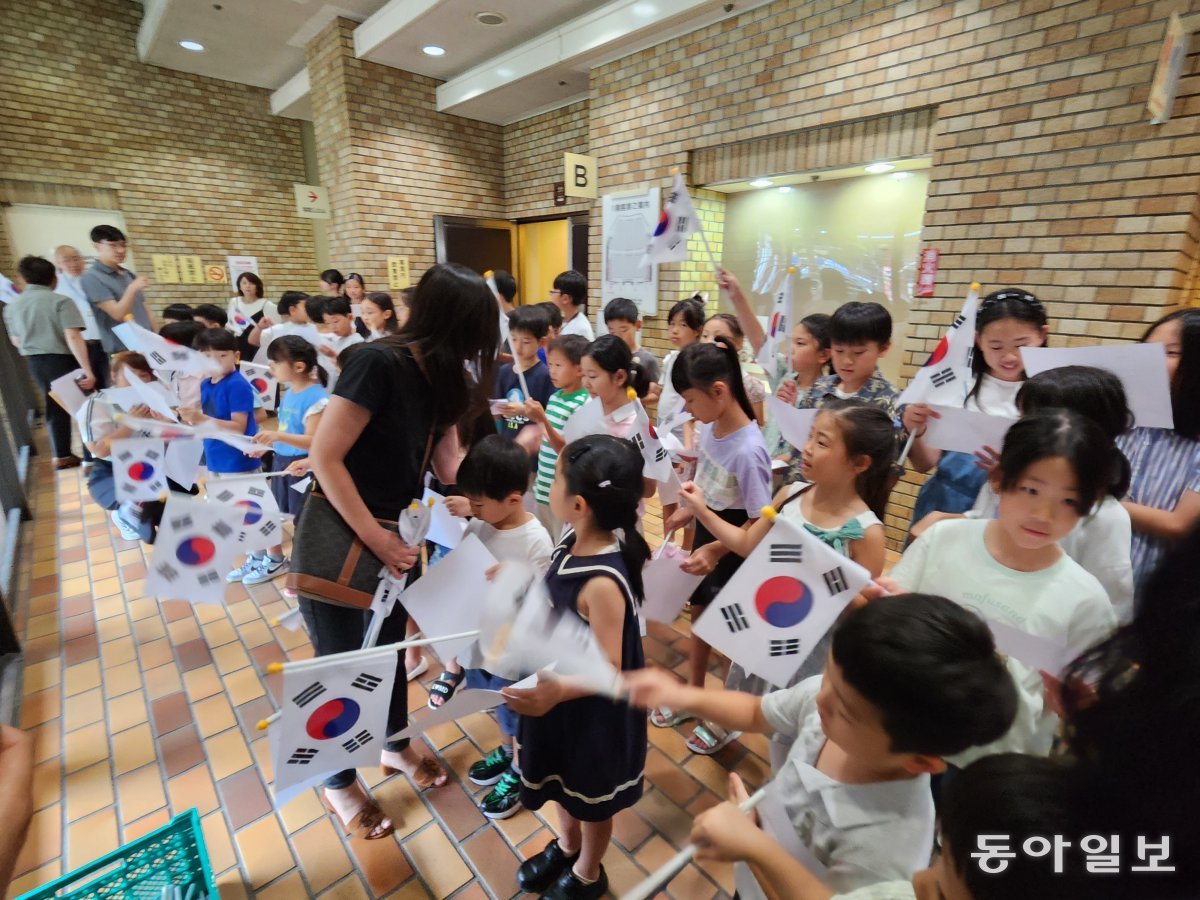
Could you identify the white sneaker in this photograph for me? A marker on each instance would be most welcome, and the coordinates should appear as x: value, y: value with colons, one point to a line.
x: 266, y: 569
x: 128, y: 532
x: 245, y: 569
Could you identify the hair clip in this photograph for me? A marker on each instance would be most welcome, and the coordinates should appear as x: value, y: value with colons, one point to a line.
x: 1013, y: 294
x: 605, y: 483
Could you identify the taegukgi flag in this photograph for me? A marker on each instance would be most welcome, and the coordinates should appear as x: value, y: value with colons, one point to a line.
x: 251, y: 507
x: 775, y: 339
x: 946, y: 376
x: 163, y: 355
x: 656, y: 459
x: 262, y: 381
x: 139, y: 468
x: 677, y: 221
x: 194, y: 550
x: 781, y: 602
x: 333, y: 717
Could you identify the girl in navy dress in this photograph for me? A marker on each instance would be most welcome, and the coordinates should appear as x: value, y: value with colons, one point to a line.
x: 586, y: 752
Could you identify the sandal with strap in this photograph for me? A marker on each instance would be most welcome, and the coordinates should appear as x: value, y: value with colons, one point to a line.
x: 668, y: 718
x: 445, y: 686
x: 710, y: 738
x: 425, y: 776
x: 368, y: 823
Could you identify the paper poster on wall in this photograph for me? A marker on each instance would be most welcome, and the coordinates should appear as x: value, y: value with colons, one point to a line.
x: 241, y: 264
x: 191, y: 270
x: 166, y: 268
x: 627, y: 224
x: 399, y: 276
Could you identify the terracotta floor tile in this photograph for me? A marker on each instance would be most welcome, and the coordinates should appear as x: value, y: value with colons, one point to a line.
x: 243, y: 798
x: 435, y: 857
x: 145, y: 825
x: 230, y: 657
x: 180, y: 750
x: 670, y: 821
x: 183, y: 631
x: 397, y: 798
x: 155, y: 653
x: 201, y: 683
x: 162, y: 681
x: 495, y: 862
x: 72, y: 626
x: 122, y: 679
x: 261, y: 751
x: 70, y: 586
x: 219, y: 843
x: 40, y: 626
x: 43, y: 840
x: 47, y: 783
x: 669, y: 778
x: 630, y: 830
x: 132, y: 749
x: 265, y: 654
x: 106, y: 587
x: 170, y: 712
x: 654, y: 853
x: 244, y: 686
x: 41, y: 706
x: 47, y: 741
x: 256, y: 633
x: 126, y: 711
x: 86, y: 747
x: 42, y: 675
x: 151, y: 629
x: 111, y: 629
x: 352, y: 889
x: 109, y: 607
x: 264, y: 851
x: 81, y: 649
x: 140, y: 793
x: 250, y: 714
x: 285, y: 888
x: 117, y: 652
x: 623, y: 873
x: 219, y: 633
x: 457, y: 809
x: 34, y: 879
x: 227, y: 753
x: 193, y: 654
x: 174, y: 610
x: 87, y: 791
x: 691, y: 884
x: 518, y: 828
x: 91, y: 838
x: 214, y: 715
x: 321, y: 855
x: 300, y: 811
x: 193, y: 788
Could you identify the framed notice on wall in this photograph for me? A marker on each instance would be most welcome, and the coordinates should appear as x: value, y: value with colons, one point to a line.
x: 627, y: 224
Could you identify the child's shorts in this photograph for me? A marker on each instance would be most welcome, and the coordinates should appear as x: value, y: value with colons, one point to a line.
x: 715, y: 580
x: 483, y: 679
x: 290, y: 502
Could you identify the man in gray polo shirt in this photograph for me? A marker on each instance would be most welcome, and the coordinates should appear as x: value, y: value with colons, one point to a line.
x: 48, y: 330
x: 113, y: 291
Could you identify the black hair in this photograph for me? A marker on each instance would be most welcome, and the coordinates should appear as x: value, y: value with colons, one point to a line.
x: 384, y: 301
x: 214, y: 339
x: 553, y: 313
x: 1019, y: 797
x: 254, y: 280
x: 332, y: 276
x: 212, y: 313
x: 315, y: 305
x: 613, y: 355
x: 406, y: 295
x: 495, y: 467
x: 620, y: 309
x: 506, y: 285
x: 700, y: 366
x: 337, y: 306
x: 288, y: 301
x: 572, y: 346
x: 1185, y: 386
x: 354, y: 276
x: 294, y: 349
x: 606, y: 471
x: 178, y: 312
x: 574, y: 285
x: 1096, y: 394
x: 1008, y: 303
x: 930, y: 667
x: 857, y: 322
x: 453, y: 325
x: 529, y: 319
x: 1050, y: 433
x: 182, y: 332
x: 817, y: 325
x: 37, y: 270
x: 692, y: 310
x: 106, y: 233
x: 866, y: 431
x: 730, y: 320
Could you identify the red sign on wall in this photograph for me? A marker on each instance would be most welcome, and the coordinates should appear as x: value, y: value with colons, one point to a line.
x: 927, y: 272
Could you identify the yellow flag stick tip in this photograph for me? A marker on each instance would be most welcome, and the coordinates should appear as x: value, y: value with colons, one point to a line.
x: 129, y: 317
x: 162, y: 498
x: 791, y: 270
x: 429, y: 502
x: 769, y: 513
x: 975, y: 285
x: 262, y: 724
x: 275, y: 623
x: 631, y: 393
x: 274, y: 668
x: 674, y: 170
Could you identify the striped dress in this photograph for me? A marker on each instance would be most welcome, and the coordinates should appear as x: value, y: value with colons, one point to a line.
x: 558, y: 410
x: 1164, y: 465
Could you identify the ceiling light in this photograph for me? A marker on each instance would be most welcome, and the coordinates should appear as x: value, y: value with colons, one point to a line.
x: 644, y: 10
x: 879, y: 167
x: 505, y: 72
x: 786, y: 189
x: 433, y: 50
x: 761, y: 183
x: 900, y: 176
x: 194, y: 46
x: 490, y: 18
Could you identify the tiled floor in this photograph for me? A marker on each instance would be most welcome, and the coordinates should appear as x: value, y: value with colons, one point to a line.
x: 143, y: 709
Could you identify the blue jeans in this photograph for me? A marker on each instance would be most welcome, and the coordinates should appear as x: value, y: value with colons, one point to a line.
x: 481, y: 678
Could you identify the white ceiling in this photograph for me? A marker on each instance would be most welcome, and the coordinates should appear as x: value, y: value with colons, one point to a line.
x: 537, y: 60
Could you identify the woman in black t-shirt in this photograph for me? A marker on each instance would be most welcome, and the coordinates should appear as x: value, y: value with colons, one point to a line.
x: 392, y: 396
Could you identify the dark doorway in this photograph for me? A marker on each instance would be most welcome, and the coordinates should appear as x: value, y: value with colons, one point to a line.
x: 480, y: 244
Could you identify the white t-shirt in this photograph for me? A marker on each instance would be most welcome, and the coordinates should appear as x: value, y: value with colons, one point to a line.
x: 578, y: 324
x: 1062, y: 603
x: 1101, y: 542
x: 995, y: 397
x: 248, y: 310
x: 70, y: 286
x: 307, y: 330
x: 329, y: 363
x: 885, y: 890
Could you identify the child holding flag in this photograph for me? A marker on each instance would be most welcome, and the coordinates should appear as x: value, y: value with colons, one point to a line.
x: 527, y: 327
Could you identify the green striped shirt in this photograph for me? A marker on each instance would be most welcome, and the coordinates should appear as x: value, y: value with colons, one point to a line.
x: 558, y: 410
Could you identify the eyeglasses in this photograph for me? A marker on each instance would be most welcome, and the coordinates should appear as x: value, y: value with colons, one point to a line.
x: 118, y: 245
x: 553, y: 291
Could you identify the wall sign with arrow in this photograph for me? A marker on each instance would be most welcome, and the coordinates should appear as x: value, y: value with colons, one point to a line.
x: 312, y: 201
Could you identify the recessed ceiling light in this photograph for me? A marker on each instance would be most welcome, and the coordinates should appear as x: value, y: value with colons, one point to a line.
x: 761, y: 183
x: 786, y: 189
x: 644, y: 10
x: 876, y: 168
x: 434, y: 50
x: 505, y: 72
x: 194, y: 46
x: 490, y: 18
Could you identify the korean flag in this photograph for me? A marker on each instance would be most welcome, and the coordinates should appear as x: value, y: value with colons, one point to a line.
x: 139, y: 468
x: 657, y: 462
x: 251, y: 507
x: 333, y: 717
x: 193, y: 551
x: 163, y: 355
x: 262, y: 381
x: 946, y: 376
x: 781, y: 602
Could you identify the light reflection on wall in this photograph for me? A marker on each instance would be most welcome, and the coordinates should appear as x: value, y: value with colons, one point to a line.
x: 849, y: 238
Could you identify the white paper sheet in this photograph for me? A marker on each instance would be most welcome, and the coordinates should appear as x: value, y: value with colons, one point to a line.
x: 1036, y: 652
x: 67, y: 392
x: 444, y: 529
x: 301, y: 486
x: 667, y: 587
x: 182, y: 461
x: 1142, y: 369
x: 449, y: 597
x: 155, y: 395
x: 794, y: 424
x: 465, y: 702
x: 965, y: 430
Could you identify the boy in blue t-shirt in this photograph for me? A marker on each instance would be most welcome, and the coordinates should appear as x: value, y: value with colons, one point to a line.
x: 527, y: 327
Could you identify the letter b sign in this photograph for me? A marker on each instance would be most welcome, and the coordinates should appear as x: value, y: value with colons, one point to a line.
x: 579, y: 175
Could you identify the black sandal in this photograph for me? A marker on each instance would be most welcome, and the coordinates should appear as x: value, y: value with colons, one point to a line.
x: 445, y: 686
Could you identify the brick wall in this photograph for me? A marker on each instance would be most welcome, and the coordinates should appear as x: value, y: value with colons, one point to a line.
x: 199, y: 166
x: 533, y: 161
x: 392, y: 162
x: 1045, y: 171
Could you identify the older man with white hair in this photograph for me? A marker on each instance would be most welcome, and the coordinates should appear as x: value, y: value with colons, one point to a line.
x: 70, y: 265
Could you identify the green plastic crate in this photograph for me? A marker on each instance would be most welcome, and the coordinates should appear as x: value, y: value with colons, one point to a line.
x: 173, y: 855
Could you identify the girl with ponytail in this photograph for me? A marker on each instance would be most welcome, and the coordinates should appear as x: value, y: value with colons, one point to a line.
x: 734, y: 475
x: 586, y: 752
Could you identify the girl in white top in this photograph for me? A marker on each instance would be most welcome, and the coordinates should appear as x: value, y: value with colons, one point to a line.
x: 1007, y: 321
x: 1055, y: 467
x: 684, y: 324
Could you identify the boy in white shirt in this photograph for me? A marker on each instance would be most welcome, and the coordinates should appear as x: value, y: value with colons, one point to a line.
x: 493, y: 479
x: 569, y: 294
x: 909, y: 680
x: 293, y: 319
x: 338, y: 319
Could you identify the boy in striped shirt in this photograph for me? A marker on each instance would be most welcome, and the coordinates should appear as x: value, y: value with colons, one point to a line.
x: 566, y: 374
